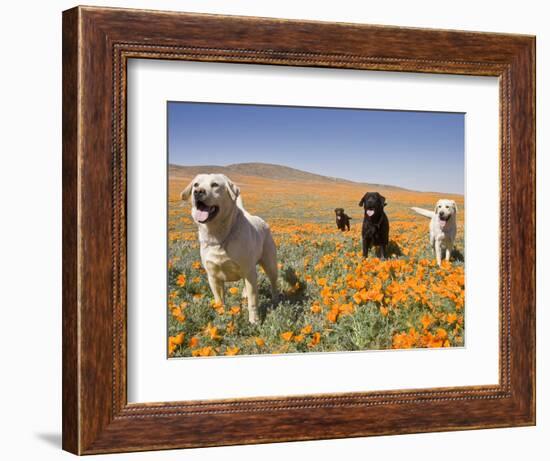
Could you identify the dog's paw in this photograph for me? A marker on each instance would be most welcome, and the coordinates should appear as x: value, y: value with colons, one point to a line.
x: 253, y: 316
x: 253, y: 319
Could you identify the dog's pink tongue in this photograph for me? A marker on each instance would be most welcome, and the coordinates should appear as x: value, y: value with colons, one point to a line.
x: 370, y: 212
x: 442, y: 223
x: 200, y: 215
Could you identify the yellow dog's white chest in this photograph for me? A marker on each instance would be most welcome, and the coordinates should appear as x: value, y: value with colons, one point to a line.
x: 219, y: 265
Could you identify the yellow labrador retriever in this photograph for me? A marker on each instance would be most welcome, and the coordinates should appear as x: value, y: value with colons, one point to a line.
x: 232, y: 241
x: 442, y: 227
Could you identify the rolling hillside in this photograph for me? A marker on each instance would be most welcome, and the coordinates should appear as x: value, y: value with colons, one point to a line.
x: 272, y: 172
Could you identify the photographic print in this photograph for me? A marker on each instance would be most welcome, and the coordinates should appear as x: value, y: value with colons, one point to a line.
x: 313, y: 229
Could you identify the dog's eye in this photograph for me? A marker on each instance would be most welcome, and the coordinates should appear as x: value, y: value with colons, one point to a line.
x: 214, y: 184
x: 196, y: 184
x: 447, y: 207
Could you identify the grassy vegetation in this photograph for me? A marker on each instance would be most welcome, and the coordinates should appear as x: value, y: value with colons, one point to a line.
x: 331, y: 298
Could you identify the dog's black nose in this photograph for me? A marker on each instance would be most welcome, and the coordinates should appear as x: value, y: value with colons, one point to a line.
x: 198, y: 192
x: 441, y: 214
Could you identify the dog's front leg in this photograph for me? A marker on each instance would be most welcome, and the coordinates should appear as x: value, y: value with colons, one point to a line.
x: 217, y: 287
x: 437, y: 247
x: 382, y: 251
x: 448, y: 254
x: 251, y: 286
x: 365, y: 248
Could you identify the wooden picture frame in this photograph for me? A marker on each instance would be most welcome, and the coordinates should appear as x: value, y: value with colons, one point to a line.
x: 97, y: 43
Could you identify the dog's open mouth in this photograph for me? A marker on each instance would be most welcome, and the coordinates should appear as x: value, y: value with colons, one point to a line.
x: 204, y: 213
x: 370, y: 212
x: 443, y: 221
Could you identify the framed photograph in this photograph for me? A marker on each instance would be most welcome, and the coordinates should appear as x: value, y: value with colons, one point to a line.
x: 334, y: 280
x: 282, y: 230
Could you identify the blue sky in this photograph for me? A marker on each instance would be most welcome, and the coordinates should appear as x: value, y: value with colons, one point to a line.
x: 416, y: 150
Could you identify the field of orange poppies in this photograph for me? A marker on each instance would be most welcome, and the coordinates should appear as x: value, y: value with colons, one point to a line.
x: 331, y: 298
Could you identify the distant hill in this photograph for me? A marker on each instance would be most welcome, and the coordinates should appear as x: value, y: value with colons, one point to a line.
x: 268, y: 171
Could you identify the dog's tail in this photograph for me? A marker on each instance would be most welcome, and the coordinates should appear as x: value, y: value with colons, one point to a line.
x: 423, y: 212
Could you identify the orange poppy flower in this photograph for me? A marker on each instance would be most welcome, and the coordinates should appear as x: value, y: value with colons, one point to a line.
x: 315, y: 339
x: 287, y: 335
x: 174, y: 342
x: 212, y: 332
x: 332, y: 316
x: 197, y: 265
x: 315, y: 308
x: 178, y: 315
x: 203, y: 352
x: 426, y: 320
x: 451, y: 318
x: 180, y: 281
x: 232, y: 351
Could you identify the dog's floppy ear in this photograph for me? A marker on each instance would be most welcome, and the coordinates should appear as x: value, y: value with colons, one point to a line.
x: 186, y: 193
x: 382, y: 200
x: 232, y: 188
x: 362, y: 202
x: 455, y: 205
x: 435, y: 206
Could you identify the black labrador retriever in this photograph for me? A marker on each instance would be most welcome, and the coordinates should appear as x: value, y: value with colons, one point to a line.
x: 342, y: 219
x: 376, y: 227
